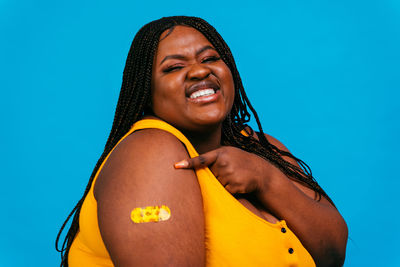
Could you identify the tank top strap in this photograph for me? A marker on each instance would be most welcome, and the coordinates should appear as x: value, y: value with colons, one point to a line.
x: 162, y: 125
x: 152, y: 124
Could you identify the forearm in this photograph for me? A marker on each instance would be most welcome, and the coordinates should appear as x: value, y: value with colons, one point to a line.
x: 318, y: 225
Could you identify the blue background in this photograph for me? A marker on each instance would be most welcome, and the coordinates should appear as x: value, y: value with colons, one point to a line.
x: 324, y: 77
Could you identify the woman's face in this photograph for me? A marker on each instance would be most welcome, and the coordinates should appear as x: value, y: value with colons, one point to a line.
x: 192, y: 88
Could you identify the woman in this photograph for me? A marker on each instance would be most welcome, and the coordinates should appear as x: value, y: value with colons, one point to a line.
x: 245, y: 201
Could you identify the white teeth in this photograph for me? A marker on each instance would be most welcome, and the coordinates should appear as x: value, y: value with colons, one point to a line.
x: 203, y: 92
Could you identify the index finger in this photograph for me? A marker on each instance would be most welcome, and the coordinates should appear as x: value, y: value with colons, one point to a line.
x: 198, y: 162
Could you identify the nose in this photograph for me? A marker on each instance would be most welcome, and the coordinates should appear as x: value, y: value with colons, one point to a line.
x: 198, y: 72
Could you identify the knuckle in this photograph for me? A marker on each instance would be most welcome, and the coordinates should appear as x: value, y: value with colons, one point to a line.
x: 222, y: 163
x: 201, y: 160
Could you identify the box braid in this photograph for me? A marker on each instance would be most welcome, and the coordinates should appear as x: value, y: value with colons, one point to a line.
x: 135, y: 96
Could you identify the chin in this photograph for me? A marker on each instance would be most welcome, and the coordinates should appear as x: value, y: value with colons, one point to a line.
x: 209, y: 120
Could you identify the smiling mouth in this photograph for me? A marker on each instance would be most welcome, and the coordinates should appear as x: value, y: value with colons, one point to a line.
x: 202, y: 92
x: 206, y: 91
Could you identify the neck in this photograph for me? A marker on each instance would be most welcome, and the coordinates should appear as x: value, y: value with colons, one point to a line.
x: 205, y: 141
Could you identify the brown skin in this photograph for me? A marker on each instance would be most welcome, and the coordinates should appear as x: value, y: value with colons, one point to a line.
x: 317, y: 224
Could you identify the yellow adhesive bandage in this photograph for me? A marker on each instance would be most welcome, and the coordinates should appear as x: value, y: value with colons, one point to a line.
x: 150, y: 214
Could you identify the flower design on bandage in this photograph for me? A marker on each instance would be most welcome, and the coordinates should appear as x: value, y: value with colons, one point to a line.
x: 150, y: 214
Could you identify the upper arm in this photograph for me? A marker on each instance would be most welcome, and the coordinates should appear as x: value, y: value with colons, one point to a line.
x: 140, y: 173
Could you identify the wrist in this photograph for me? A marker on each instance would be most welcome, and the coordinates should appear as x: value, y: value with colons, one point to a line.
x: 264, y: 180
x: 271, y: 180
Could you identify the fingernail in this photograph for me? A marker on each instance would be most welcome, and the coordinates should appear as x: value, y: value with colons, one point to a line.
x: 181, y: 164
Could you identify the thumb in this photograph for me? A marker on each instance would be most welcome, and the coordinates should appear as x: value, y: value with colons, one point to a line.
x: 201, y: 161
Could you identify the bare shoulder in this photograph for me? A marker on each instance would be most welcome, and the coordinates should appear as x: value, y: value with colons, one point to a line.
x: 140, y: 173
x: 274, y: 142
x: 309, y: 192
x: 305, y: 189
x: 138, y: 152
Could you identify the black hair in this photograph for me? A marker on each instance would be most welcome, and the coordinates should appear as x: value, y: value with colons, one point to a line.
x: 135, y: 95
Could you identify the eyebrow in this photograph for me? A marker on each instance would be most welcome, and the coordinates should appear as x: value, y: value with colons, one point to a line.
x: 178, y: 56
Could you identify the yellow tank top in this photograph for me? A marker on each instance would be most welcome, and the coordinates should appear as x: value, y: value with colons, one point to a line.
x: 234, y: 235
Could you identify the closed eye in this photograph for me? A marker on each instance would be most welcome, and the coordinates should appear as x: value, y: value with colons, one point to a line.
x: 211, y: 59
x: 172, y: 68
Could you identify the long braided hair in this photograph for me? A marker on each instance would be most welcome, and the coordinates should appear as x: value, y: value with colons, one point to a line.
x: 136, y: 93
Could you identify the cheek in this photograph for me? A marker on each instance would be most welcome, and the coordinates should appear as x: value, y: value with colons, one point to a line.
x: 229, y: 85
x: 225, y: 74
x: 166, y: 92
